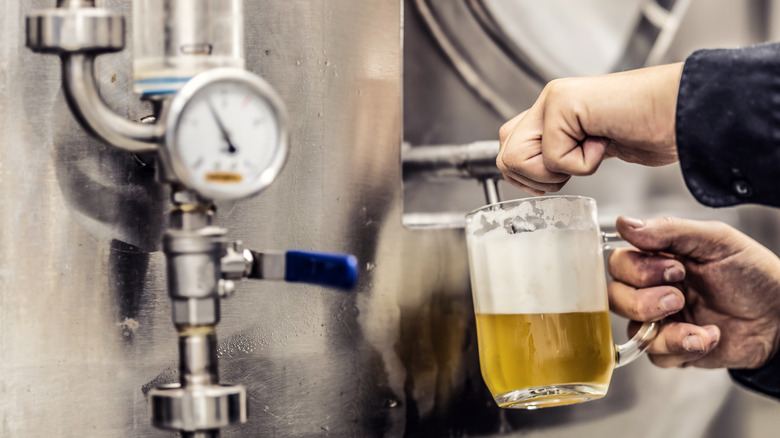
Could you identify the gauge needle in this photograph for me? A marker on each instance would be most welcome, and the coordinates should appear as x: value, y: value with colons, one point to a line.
x: 231, y: 149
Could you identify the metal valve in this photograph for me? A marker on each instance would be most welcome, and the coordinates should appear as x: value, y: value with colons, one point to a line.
x: 202, y: 269
x: 339, y: 271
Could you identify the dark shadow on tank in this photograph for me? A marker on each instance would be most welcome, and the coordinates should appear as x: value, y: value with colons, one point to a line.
x: 127, y: 267
x: 114, y: 196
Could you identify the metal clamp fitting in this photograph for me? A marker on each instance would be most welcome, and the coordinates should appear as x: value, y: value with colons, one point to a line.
x: 197, y: 408
x: 75, y: 30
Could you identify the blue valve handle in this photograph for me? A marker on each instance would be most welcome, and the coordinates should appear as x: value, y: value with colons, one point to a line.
x: 325, y: 269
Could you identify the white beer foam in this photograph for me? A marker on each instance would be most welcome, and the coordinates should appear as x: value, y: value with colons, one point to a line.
x: 550, y: 270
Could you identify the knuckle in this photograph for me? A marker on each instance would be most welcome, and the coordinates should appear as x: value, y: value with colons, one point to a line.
x: 643, y: 274
x: 556, y: 87
x: 500, y: 164
x: 638, y: 309
x: 719, y: 227
x: 670, y: 222
x: 503, y: 132
x: 552, y: 164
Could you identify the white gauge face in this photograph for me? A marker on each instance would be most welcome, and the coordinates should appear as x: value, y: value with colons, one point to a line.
x: 228, y: 141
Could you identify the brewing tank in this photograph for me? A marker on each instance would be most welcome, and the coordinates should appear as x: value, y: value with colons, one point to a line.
x: 86, y: 318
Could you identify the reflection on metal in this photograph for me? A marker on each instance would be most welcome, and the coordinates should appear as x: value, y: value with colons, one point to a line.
x: 189, y: 37
x: 492, y: 196
x: 200, y: 266
x: 541, y: 41
x: 397, y: 358
x: 462, y: 66
x: 667, y: 21
x: 194, y: 249
x: 78, y: 32
x: 442, y: 162
x: 433, y: 162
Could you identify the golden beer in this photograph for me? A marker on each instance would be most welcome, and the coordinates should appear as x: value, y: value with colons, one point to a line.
x: 526, y: 351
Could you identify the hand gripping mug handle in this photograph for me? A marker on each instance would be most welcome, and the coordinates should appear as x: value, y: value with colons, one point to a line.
x: 631, y: 350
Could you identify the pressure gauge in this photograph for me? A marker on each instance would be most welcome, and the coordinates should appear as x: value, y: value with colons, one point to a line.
x: 225, y: 134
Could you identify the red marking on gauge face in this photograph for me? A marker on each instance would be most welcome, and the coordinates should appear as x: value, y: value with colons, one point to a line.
x: 246, y: 101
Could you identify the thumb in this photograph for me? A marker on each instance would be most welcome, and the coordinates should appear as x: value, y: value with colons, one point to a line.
x: 690, y: 238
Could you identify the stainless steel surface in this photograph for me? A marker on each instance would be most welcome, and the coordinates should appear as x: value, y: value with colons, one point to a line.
x: 200, y: 408
x: 381, y: 361
x: 492, y: 195
x: 237, y: 262
x: 194, y: 261
x: 195, y: 252
x: 267, y: 265
x: 198, y: 357
x: 75, y: 27
x: 86, y: 338
x: 177, y: 39
x: 75, y: 3
x: 438, y: 163
x: 475, y: 160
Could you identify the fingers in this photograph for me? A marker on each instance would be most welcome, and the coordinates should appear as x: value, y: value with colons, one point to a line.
x: 649, y: 304
x: 570, y: 153
x: 680, y: 344
x: 641, y: 269
x: 695, y: 239
x: 643, y: 289
x: 508, y: 127
x: 544, y: 146
x: 520, y: 159
x: 530, y: 184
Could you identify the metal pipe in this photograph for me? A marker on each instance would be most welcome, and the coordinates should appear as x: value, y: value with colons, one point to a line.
x: 75, y: 3
x: 492, y: 196
x: 473, y: 79
x: 198, y: 356
x: 475, y: 160
x: 81, y: 90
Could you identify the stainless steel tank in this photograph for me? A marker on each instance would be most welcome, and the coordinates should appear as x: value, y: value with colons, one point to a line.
x: 85, y: 316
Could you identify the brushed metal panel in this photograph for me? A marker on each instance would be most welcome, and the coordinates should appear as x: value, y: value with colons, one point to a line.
x: 86, y: 328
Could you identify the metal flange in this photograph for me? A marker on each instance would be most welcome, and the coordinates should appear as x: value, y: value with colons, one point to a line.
x: 75, y: 30
x: 198, y: 407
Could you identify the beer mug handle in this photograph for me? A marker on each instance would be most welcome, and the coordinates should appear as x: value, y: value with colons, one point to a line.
x: 631, y: 350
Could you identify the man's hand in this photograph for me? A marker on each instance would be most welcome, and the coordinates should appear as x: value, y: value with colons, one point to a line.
x: 717, y: 289
x: 577, y: 122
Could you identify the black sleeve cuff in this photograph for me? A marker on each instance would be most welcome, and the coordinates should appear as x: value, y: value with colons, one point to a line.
x: 765, y: 380
x: 728, y: 125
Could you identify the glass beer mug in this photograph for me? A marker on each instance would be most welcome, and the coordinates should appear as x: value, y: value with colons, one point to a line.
x: 540, y: 298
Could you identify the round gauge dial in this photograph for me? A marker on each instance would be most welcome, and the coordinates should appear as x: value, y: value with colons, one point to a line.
x: 226, y: 134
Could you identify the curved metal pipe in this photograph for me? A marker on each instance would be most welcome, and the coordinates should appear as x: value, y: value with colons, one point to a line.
x: 473, y: 79
x: 81, y: 90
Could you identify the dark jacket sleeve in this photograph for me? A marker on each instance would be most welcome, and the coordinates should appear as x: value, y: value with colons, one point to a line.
x: 728, y: 125
x: 765, y: 379
x: 728, y: 141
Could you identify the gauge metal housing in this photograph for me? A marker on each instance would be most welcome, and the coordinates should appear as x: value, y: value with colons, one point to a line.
x: 174, y: 155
